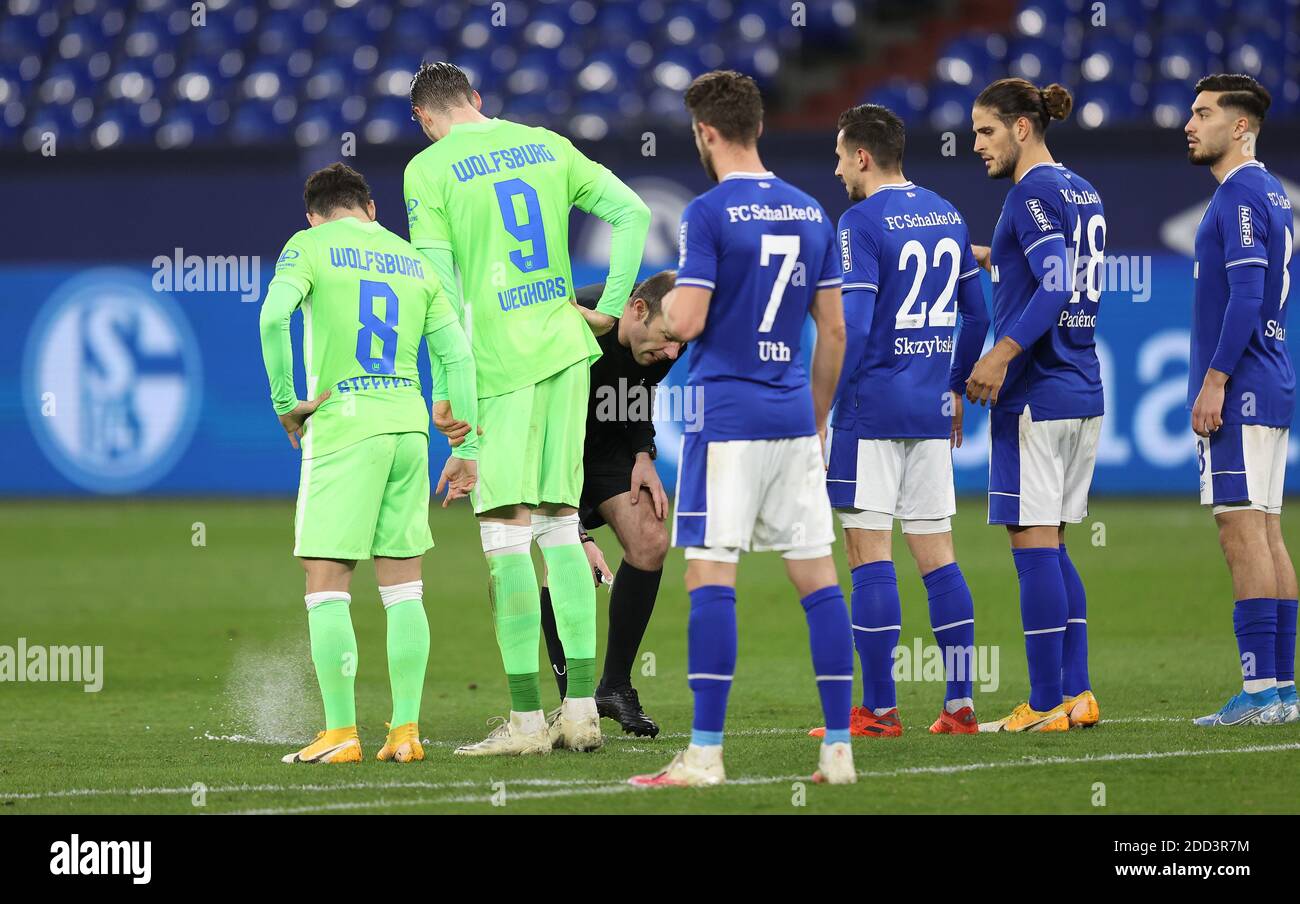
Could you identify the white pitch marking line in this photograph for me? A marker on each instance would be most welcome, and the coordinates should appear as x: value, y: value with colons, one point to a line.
x: 575, y: 788
x: 428, y: 786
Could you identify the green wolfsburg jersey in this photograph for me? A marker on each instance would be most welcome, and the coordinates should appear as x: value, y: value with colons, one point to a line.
x: 497, y: 195
x: 368, y: 298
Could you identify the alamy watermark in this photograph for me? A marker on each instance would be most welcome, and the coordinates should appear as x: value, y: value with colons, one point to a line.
x: 930, y: 662
x: 39, y: 663
x: 181, y: 272
x: 630, y: 402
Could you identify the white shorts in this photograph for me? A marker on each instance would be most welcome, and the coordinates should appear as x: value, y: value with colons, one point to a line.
x: 1040, y: 471
x: 1243, y: 466
x: 752, y: 495
x: 870, y: 482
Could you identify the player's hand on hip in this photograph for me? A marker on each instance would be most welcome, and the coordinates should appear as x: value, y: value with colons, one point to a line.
x: 958, y: 411
x: 459, y: 477
x: 644, y: 475
x: 599, y: 568
x: 983, y: 256
x: 1207, y: 411
x: 293, y: 421
x: 448, y: 426
x: 600, y: 323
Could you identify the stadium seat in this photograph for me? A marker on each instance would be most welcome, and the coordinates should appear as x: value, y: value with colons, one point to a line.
x: 143, y: 71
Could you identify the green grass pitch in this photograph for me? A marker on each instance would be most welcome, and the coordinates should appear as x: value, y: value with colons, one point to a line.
x: 208, y: 681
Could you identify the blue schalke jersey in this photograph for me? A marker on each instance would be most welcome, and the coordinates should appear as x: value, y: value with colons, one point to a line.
x: 1052, y: 231
x: 911, y: 248
x: 1248, y: 224
x: 764, y: 248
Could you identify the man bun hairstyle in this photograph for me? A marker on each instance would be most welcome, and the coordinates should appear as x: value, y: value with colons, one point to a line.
x: 728, y: 101
x: 336, y: 186
x: 440, y: 86
x: 877, y: 130
x: 1012, y: 98
x: 1240, y: 92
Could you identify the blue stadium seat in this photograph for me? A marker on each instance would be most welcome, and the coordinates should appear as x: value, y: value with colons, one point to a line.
x: 389, y: 120
x: 187, y: 123
x: 125, y: 124
x: 1037, y: 59
x: 950, y: 107
x: 908, y: 99
x: 1184, y: 55
x: 972, y: 59
x: 1171, y: 103
x: 1110, y: 58
x: 257, y: 121
x: 1103, y: 104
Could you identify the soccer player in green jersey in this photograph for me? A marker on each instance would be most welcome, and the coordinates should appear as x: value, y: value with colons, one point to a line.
x: 367, y: 297
x: 491, y: 198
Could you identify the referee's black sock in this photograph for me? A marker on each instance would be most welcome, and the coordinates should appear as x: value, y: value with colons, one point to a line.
x: 554, y: 649
x: 630, y: 604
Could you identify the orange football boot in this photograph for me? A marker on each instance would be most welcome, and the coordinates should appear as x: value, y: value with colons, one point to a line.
x: 961, y: 722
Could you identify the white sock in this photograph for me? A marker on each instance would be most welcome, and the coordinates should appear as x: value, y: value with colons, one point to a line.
x: 1282, y: 684
x: 1256, y: 685
x: 952, y: 706
x: 528, y: 723
x: 579, y: 708
x: 881, y: 710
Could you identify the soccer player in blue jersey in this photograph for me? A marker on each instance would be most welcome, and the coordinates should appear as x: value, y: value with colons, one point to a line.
x: 1043, y: 380
x: 757, y: 256
x: 908, y: 274
x: 1241, y: 388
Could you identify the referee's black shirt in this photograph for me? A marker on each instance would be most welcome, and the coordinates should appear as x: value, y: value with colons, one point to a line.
x: 612, y: 440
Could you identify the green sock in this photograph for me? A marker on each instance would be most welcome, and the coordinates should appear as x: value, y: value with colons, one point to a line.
x: 517, y: 613
x: 334, y: 652
x: 573, y: 596
x: 408, y: 655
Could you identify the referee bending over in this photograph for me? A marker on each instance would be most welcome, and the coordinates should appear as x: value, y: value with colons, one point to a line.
x: 622, y: 489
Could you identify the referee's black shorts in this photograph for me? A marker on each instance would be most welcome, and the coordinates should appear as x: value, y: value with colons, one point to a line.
x: 607, y: 472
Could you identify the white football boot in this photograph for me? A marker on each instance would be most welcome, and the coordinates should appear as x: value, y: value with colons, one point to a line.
x: 522, y: 734
x: 835, y: 765
x: 694, y: 767
x: 577, y: 727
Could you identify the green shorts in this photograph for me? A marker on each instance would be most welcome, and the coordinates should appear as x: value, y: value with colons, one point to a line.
x: 531, y: 448
x: 367, y: 499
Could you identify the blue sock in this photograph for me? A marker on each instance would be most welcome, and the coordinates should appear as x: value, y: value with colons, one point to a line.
x: 1043, y: 613
x: 877, y: 617
x: 711, y: 658
x: 1286, y: 618
x: 829, y: 635
x: 1074, y: 671
x: 1255, y: 624
x: 952, y: 616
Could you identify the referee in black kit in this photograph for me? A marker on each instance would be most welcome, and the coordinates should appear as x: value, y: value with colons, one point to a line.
x: 621, y: 488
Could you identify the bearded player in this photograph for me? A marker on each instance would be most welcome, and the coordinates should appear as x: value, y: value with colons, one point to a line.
x: 752, y: 478
x: 1043, y: 379
x: 1241, y: 388
x: 367, y: 297
x: 491, y: 198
